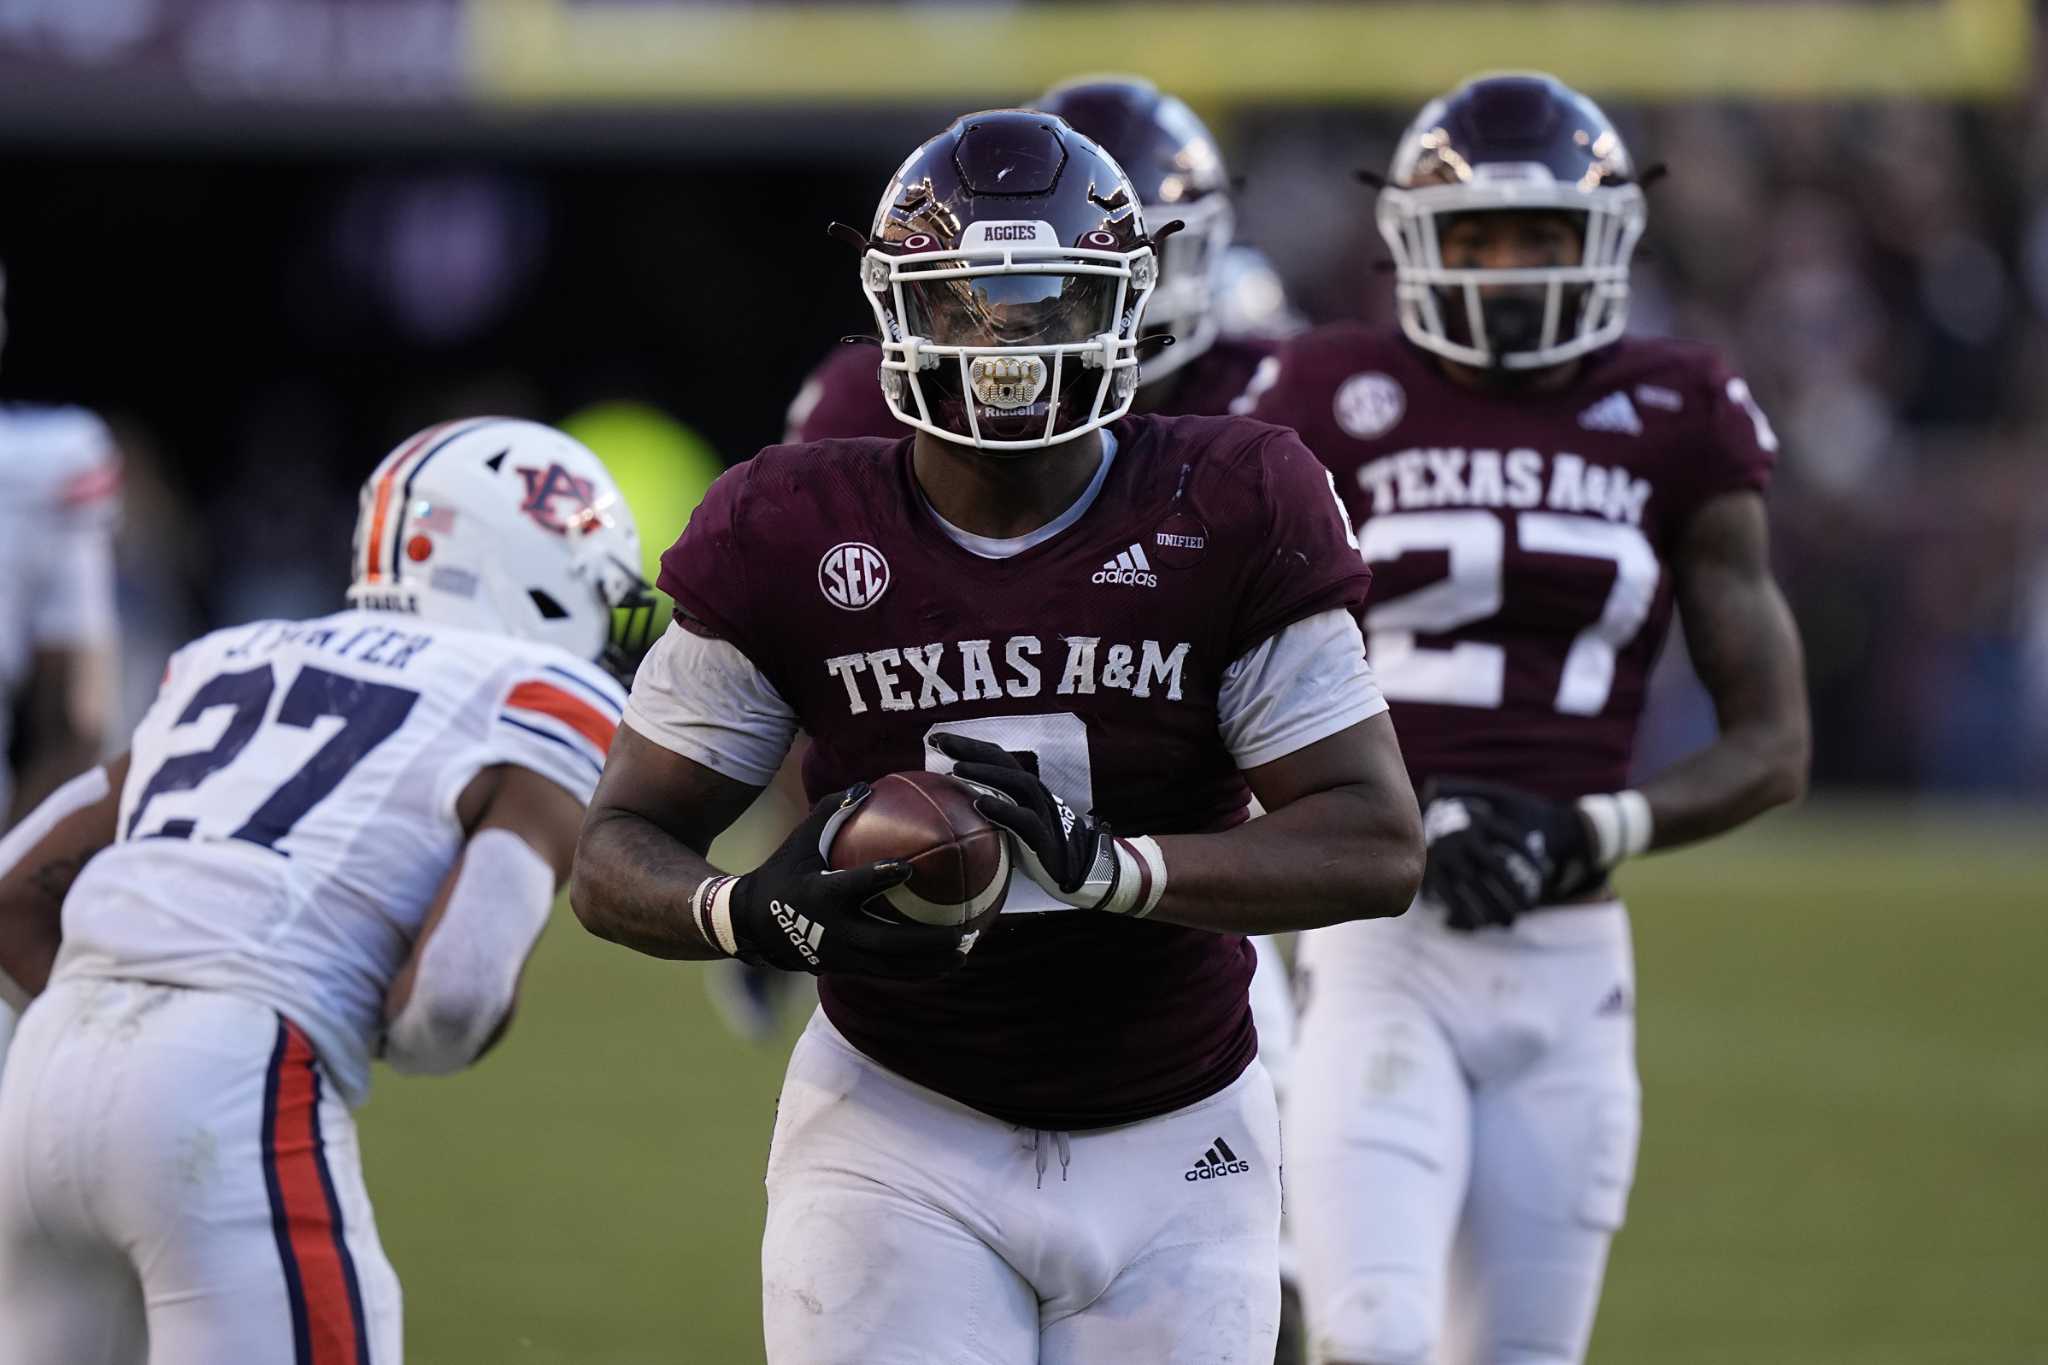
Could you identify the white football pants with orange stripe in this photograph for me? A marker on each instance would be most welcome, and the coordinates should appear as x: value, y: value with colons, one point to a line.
x: 180, y: 1185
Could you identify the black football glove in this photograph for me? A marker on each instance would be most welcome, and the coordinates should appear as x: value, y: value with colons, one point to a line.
x: 1073, y: 856
x: 1496, y: 853
x: 795, y: 913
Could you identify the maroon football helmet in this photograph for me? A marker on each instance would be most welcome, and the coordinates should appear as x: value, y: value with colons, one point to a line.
x: 1516, y: 142
x: 1008, y: 268
x: 1174, y: 166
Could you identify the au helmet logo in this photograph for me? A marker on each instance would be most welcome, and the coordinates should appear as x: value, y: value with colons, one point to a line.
x: 853, y: 575
x: 547, y: 488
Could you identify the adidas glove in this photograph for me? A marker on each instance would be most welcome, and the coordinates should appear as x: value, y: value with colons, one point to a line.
x: 1073, y: 856
x: 795, y: 913
x: 1495, y: 853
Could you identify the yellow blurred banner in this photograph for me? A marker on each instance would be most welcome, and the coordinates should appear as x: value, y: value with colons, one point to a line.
x: 599, y: 52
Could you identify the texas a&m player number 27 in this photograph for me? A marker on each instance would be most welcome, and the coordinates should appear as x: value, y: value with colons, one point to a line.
x: 1535, y: 493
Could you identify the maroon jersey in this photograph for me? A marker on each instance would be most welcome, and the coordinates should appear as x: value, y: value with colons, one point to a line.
x: 1520, y: 542
x: 843, y: 398
x: 1213, y: 379
x: 1101, y: 653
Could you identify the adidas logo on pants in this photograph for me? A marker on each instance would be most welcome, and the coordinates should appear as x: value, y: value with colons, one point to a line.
x: 1216, y: 1163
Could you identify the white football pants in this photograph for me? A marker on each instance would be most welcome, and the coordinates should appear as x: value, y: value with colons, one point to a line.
x: 906, y: 1229
x: 1461, y: 1131
x: 180, y: 1185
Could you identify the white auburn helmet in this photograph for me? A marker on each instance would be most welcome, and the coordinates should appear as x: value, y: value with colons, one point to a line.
x: 1518, y: 141
x: 502, y: 525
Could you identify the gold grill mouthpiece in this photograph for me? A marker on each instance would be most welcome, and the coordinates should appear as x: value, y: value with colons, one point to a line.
x: 1007, y: 382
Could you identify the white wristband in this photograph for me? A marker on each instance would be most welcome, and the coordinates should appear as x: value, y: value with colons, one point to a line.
x: 1140, y: 876
x: 711, y: 909
x: 1621, y: 823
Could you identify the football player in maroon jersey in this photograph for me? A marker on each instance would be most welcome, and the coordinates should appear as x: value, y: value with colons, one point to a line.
x: 1103, y: 620
x: 1535, y: 493
x: 1190, y: 366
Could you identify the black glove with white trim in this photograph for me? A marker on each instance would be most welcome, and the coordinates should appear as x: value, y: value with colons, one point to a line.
x: 1496, y: 853
x: 796, y: 913
x: 1074, y: 857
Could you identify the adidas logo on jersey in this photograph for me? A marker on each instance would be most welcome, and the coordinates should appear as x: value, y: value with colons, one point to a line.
x: 1131, y: 569
x: 1612, y: 413
x: 1216, y: 1163
x: 799, y: 930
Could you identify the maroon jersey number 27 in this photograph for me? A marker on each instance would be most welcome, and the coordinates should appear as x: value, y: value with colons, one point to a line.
x: 1518, y: 540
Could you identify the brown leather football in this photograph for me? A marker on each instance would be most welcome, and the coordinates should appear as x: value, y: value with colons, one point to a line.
x: 960, y: 863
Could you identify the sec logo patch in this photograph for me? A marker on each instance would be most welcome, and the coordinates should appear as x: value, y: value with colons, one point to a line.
x: 853, y: 575
x: 1368, y: 405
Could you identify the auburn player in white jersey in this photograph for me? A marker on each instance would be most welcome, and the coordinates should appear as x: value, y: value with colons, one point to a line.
x: 59, y: 476
x: 329, y: 840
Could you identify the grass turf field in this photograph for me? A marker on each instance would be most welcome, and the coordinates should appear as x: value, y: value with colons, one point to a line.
x: 1844, y: 1041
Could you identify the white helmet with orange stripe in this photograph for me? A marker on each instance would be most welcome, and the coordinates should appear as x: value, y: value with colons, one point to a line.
x: 497, y: 524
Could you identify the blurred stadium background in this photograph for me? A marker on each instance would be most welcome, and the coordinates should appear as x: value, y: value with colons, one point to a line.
x: 267, y: 238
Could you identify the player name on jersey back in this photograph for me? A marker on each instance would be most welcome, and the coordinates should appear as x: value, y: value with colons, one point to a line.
x: 290, y: 808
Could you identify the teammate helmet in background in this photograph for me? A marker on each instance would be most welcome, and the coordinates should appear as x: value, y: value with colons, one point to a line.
x: 1009, y: 268
x: 1173, y: 163
x: 1519, y: 142
x: 508, y: 526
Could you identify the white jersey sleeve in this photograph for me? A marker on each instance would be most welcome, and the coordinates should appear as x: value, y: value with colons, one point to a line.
x: 702, y: 698
x: 556, y: 717
x: 1301, y: 685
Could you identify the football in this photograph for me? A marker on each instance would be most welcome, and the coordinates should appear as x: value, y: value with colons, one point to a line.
x: 960, y: 863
